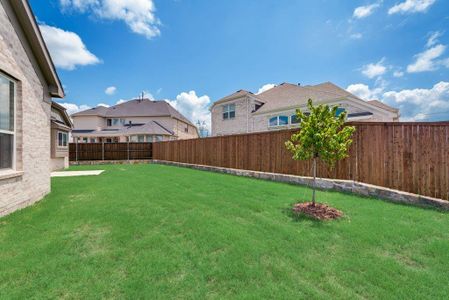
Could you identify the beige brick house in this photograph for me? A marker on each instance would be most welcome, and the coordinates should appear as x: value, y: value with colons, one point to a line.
x: 274, y: 109
x: 28, y: 80
x: 138, y: 120
x: 61, y: 126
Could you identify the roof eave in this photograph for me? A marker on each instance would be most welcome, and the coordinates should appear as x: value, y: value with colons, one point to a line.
x: 63, y: 110
x: 33, y: 34
x: 248, y: 94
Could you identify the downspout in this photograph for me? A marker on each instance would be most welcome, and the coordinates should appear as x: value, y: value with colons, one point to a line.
x: 247, y: 114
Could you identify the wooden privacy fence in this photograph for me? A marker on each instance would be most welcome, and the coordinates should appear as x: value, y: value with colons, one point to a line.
x: 110, y: 151
x: 412, y: 157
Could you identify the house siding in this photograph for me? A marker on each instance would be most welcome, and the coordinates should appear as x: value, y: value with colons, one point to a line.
x: 32, y: 120
x: 171, y: 124
x: 233, y: 126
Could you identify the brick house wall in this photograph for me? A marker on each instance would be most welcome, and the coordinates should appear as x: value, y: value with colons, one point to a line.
x: 239, y: 124
x: 32, y: 179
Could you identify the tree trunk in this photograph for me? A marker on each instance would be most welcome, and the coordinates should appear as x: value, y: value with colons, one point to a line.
x: 314, y: 181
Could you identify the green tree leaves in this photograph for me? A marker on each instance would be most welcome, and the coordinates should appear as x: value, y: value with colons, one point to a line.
x: 322, y: 135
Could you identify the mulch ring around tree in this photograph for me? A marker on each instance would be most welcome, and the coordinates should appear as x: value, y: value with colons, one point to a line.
x: 318, y: 211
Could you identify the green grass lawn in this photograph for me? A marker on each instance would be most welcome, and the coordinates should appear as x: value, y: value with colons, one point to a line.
x: 152, y: 231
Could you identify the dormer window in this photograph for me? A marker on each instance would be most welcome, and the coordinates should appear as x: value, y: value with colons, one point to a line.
x: 228, y: 111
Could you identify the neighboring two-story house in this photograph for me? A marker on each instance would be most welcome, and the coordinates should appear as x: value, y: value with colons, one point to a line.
x: 139, y: 120
x: 274, y: 109
x: 28, y: 81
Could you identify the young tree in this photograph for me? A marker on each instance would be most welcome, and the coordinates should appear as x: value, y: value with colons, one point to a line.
x: 321, y: 135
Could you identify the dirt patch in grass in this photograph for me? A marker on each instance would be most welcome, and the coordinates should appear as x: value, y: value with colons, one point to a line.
x: 318, y: 211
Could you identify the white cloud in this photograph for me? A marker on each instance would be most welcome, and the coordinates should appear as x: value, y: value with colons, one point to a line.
x: 426, y: 60
x: 266, y: 87
x: 445, y: 62
x: 110, y: 90
x: 73, y: 108
x: 374, y: 70
x: 145, y: 94
x: 139, y: 15
x: 411, y: 6
x: 398, y: 74
x: 365, y: 11
x: 364, y: 92
x: 103, y: 104
x: 414, y: 104
x: 148, y: 95
x: 193, y: 107
x: 66, y: 48
x: 356, y: 36
x: 433, y: 38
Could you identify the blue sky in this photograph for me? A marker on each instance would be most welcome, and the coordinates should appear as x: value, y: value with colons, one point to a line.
x: 194, y: 52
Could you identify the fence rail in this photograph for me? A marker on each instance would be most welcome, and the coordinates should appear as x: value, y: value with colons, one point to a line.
x: 412, y: 157
x: 110, y: 151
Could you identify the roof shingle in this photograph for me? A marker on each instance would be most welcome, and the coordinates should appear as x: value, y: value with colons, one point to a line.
x: 136, y: 108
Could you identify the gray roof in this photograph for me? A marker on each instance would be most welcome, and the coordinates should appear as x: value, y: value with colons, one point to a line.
x: 382, y: 105
x: 238, y: 94
x: 288, y: 95
x: 152, y: 127
x: 135, y: 108
x: 63, y: 113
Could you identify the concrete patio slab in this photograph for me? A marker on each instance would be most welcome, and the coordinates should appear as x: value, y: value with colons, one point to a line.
x: 76, y: 173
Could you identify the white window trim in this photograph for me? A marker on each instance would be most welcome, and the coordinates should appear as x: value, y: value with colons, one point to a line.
x: 14, y: 132
x: 277, y: 123
x: 67, y: 139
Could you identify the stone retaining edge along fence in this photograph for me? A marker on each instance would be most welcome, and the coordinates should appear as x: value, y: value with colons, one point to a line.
x: 110, y: 162
x: 339, y: 185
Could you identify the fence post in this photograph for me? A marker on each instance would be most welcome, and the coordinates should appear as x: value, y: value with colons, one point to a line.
x: 76, y: 149
x: 102, y: 149
x: 128, y: 149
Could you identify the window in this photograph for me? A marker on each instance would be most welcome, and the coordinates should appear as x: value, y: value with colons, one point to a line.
x: 149, y: 138
x: 186, y: 129
x: 109, y: 122
x: 93, y: 140
x: 85, y: 140
x: 228, y: 111
x: 294, y: 119
x: 7, y: 128
x: 159, y: 138
x: 109, y: 140
x: 117, y: 122
x: 62, y: 139
x: 339, y: 111
x: 278, y: 121
x: 141, y: 138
